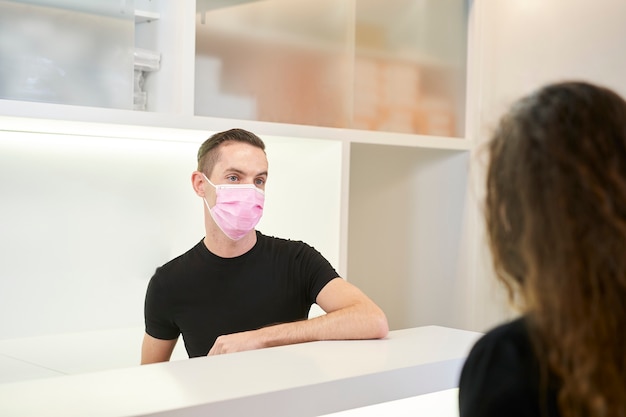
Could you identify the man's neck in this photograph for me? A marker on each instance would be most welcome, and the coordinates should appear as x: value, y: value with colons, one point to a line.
x: 219, y: 244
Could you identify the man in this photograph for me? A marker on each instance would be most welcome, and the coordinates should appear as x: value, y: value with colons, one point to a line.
x: 238, y: 289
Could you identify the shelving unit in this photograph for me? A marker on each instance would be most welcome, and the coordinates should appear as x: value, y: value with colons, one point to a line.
x: 172, y: 89
x: 389, y: 211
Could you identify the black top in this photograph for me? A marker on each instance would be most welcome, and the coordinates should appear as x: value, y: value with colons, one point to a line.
x: 204, y: 296
x: 501, y: 377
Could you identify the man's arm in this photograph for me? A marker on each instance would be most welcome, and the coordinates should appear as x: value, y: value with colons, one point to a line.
x: 350, y: 314
x: 156, y: 350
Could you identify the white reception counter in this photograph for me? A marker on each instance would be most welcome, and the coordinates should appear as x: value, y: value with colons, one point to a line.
x: 309, y: 379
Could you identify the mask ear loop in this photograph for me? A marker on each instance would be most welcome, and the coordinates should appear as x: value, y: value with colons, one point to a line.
x: 206, y: 203
x: 208, y: 180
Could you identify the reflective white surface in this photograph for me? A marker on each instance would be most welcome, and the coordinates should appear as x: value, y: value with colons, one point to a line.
x: 437, y: 404
x: 305, y: 380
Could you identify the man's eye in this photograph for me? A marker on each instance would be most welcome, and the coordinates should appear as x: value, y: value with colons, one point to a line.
x: 232, y: 178
x: 259, y: 181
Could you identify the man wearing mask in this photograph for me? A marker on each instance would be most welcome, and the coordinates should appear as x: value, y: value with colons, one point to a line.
x: 238, y: 289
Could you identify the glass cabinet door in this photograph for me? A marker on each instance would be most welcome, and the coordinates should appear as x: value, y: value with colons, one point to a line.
x: 410, y: 66
x: 280, y: 60
x: 393, y: 65
x: 67, y: 52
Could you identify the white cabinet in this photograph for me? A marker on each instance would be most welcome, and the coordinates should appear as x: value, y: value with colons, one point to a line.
x: 357, y: 94
x: 353, y: 64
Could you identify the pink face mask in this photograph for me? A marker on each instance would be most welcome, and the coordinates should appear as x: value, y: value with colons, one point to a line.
x: 238, y: 208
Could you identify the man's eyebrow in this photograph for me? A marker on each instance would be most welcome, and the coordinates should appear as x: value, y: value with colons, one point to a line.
x: 238, y: 171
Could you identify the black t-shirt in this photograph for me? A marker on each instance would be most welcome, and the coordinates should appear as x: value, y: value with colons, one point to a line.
x: 501, y: 377
x: 204, y: 296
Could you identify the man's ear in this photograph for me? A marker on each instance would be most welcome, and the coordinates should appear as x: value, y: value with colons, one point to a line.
x: 197, y: 182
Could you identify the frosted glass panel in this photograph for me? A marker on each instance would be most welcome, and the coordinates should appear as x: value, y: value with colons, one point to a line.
x: 410, y: 66
x: 67, y: 52
x: 286, y: 61
x: 393, y: 65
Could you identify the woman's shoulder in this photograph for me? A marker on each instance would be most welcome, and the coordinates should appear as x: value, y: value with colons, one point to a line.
x: 507, y: 346
x: 500, y: 374
x: 513, y: 334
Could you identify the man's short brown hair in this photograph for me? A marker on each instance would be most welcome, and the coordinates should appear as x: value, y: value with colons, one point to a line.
x: 208, y: 154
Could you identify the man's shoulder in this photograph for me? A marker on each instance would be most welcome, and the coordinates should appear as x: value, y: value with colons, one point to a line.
x: 280, y: 240
x: 182, y: 261
x: 273, y: 243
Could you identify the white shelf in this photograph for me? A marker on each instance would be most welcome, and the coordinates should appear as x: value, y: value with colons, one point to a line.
x: 66, y: 119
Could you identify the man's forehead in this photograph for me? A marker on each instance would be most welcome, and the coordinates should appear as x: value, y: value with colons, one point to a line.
x: 246, y: 160
x: 233, y: 146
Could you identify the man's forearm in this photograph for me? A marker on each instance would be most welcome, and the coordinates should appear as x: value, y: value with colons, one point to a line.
x: 354, y: 322
x: 359, y: 321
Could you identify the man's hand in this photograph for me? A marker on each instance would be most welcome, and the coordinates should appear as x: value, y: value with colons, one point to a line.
x: 237, y: 342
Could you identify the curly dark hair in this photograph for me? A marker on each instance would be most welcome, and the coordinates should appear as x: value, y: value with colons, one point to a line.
x: 556, y: 221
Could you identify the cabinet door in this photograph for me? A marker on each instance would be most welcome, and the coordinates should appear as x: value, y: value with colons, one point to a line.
x: 396, y: 66
x: 410, y: 66
x: 280, y: 61
x: 67, y: 52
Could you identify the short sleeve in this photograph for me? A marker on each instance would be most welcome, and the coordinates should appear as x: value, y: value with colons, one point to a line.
x: 158, y: 313
x: 318, y: 271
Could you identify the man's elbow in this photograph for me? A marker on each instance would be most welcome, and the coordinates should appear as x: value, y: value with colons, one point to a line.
x: 379, y: 325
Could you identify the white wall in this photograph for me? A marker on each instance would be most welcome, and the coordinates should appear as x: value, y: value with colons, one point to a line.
x: 520, y: 46
x: 405, y: 223
x: 84, y: 221
x: 527, y: 43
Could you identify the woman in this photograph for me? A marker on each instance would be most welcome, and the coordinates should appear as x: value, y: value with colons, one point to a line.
x: 556, y: 220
